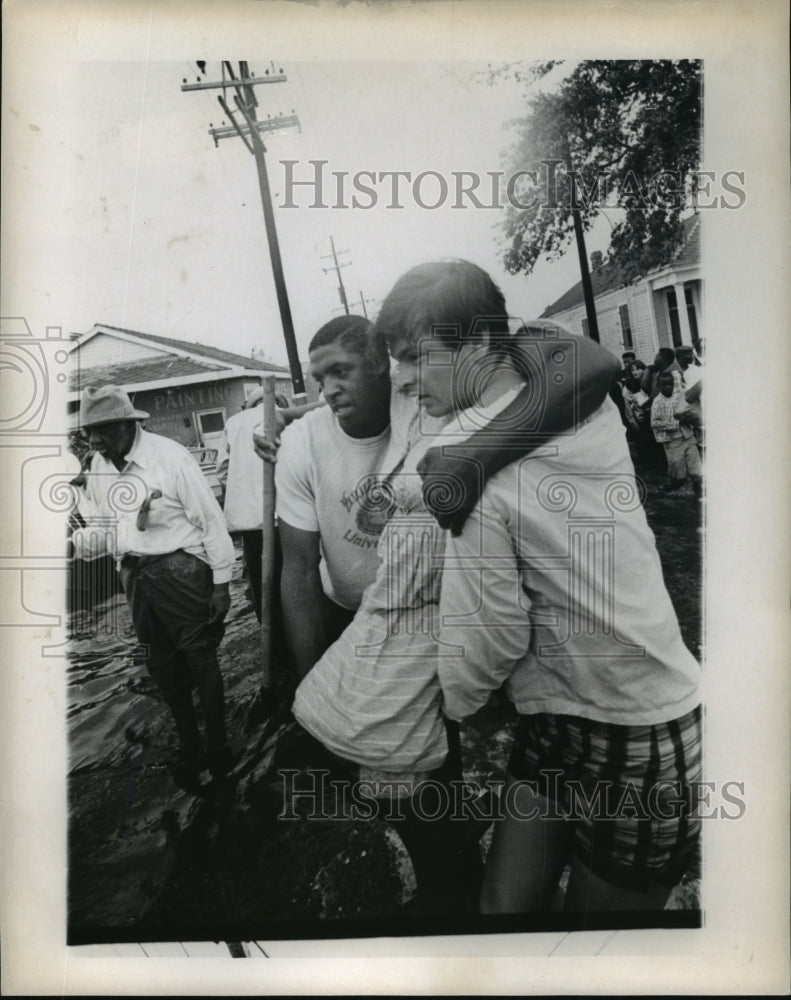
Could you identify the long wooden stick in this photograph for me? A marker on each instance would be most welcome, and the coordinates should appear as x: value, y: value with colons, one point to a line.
x: 268, y: 531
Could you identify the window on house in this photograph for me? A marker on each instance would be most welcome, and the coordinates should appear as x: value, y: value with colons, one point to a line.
x: 209, y: 425
x: 691, y: 313
x: 585, y: 329
x: 626, y: 326
x: 672, y: 312
x: 211, y: 422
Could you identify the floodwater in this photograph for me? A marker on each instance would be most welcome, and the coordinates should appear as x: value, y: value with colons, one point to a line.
x: 143, y: 849
x: 127, y: 815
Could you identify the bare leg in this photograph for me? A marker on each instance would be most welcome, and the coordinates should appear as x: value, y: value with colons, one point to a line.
x: 589, y: 893
x: 527, y: 855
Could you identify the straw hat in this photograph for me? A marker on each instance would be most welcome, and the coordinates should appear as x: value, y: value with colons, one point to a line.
x: 108, y: 404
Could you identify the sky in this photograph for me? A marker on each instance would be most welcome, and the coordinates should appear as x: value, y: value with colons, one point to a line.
x: 159, y: 231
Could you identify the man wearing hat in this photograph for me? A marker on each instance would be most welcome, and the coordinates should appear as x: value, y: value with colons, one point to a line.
x: 175, y: 558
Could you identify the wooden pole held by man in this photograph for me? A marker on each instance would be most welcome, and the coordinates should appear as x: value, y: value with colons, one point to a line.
x: 268, y: 535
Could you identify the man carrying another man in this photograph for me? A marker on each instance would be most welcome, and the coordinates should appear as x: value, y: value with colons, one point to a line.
x: 331, y: 460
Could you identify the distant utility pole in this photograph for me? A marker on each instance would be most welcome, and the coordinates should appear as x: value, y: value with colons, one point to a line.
x: 250, y: 132
x: 337, y: 269
x: 362, y: 303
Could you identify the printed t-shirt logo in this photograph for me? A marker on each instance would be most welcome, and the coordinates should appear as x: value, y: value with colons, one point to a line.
x: 375, y: 505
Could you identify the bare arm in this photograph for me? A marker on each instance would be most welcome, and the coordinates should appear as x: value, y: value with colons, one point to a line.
x: 302, y: 596
x: 692, y: 395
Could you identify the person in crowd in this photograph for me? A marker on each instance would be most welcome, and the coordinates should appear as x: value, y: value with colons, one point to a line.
x: 175, y: 559
x: 637, y: 407
x: 634, y: 400
x: 665, y: 360
x: 692, y: 377
x: 591, y: 651
x: 689, y: 364
x: 628, y: 358
x: 241, y: 477
x: 673, y: 421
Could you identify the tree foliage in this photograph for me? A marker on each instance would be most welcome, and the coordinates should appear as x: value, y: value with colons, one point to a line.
x: 625, y: 134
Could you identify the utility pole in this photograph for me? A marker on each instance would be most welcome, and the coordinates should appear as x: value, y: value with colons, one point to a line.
x: 579, y: 234
x: 587, y: 287
x: 250, y: 132
x: 362, y: 303
x: 337, y: 269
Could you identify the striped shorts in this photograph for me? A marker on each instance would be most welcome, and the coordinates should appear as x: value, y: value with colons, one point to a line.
x: 631, y: 791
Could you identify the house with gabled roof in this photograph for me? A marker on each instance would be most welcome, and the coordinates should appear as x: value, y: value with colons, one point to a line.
x: 189, y: 389
x: 661, y: 309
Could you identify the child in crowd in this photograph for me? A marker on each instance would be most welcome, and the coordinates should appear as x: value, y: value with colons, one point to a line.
x: 672, y: 422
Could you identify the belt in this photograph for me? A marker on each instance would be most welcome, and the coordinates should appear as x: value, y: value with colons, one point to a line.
x: 131, y: 561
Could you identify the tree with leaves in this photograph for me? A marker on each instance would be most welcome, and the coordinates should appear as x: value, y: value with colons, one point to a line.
x: 623, y: 134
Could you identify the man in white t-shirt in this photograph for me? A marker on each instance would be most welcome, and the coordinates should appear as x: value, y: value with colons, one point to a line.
x: 330, y: 460
x: 326, y: 470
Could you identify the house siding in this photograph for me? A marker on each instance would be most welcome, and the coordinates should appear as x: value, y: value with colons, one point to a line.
x: 608, y: 316
x: 650, y: 327
x: 104, y: 349
x: 111, y: 358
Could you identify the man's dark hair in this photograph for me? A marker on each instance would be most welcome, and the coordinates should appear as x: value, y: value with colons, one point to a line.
x: 628, y: 354
x: 453, y: 301
x: 686, y: 350
x: 356, y: 334
x: 667, y: 354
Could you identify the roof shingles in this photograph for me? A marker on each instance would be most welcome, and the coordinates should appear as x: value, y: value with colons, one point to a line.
x: 136, y: 372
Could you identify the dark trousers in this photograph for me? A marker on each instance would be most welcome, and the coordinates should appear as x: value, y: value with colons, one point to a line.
x: 169, y: 596
x: 445, y: 859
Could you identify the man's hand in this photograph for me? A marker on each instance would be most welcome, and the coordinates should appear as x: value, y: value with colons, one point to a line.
x: 264, y: 448
x: 219, y: 603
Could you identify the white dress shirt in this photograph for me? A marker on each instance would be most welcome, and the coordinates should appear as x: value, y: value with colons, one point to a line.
x: 186, y: 515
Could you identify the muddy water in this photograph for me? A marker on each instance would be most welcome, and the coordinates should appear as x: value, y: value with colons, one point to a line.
x: 142, y: 849
x: 127, y: 816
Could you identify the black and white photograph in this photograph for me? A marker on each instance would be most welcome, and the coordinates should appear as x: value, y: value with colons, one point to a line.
x: 385, y: 577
